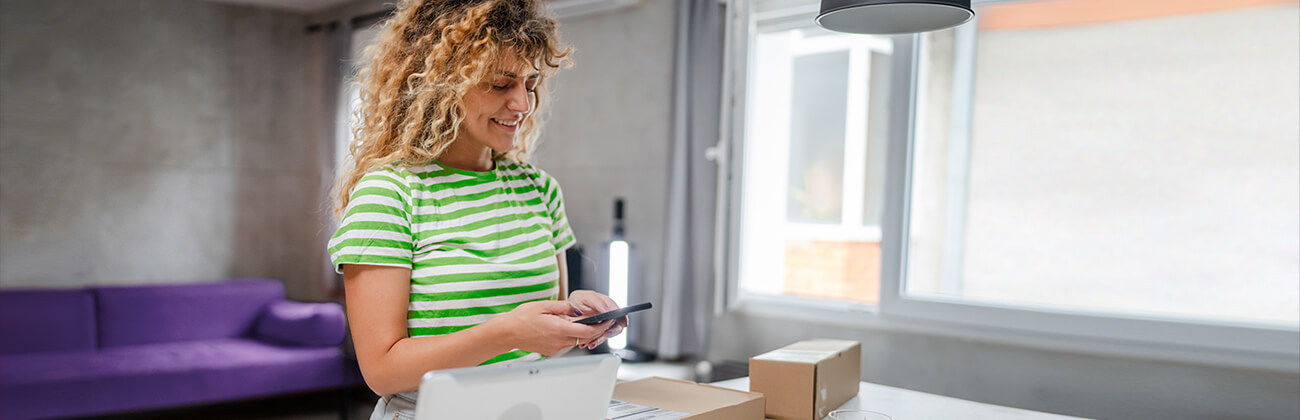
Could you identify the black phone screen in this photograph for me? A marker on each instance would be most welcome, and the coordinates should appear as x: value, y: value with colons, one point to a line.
x: 617, y: 313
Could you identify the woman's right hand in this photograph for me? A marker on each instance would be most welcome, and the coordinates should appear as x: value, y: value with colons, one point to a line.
x: 543, y: 327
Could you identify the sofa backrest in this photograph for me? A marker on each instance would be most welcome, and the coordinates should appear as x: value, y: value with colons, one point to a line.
x: 131, y: 315
x: 40, y: 320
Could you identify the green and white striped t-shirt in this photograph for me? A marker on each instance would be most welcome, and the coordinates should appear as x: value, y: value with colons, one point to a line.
x: 478, y: 243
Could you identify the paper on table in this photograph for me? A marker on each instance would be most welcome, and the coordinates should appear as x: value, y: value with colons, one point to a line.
x: 622, y: 410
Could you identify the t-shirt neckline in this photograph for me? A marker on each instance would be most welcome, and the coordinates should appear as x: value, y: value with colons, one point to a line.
x: 489, y: 174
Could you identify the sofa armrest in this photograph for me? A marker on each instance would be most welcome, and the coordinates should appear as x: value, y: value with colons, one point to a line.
x: 302, y: 323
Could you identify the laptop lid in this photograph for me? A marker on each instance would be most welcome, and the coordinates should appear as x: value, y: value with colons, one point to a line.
x: 568, y: 388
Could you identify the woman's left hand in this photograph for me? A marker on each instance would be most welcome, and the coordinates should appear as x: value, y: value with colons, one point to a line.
x: 587, y: 303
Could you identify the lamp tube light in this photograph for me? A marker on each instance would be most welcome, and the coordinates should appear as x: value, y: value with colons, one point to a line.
x: 618, y: 259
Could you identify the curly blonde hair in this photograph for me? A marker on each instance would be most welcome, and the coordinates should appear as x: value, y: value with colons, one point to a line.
x: 428, y: 55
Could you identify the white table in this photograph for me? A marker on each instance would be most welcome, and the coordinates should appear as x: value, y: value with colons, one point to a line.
x: 904, y: 404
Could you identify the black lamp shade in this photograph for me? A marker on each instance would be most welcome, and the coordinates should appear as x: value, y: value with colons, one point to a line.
x: 888, y: 17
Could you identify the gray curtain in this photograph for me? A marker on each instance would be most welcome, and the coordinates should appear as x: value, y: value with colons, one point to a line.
x: 688, y: 284
x: 342, y: 42
x: 335, y: 39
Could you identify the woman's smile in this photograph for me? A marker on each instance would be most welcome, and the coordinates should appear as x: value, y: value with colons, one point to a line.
x: 508, y: 125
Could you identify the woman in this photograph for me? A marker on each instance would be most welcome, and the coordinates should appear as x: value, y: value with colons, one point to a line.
x: 451, y: 246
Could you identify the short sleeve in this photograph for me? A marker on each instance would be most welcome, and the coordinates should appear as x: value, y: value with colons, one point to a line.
x: 376, y: 226
x: 561, y: 233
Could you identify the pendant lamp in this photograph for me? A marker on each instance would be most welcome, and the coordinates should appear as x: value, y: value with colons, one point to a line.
x: 888, y: 17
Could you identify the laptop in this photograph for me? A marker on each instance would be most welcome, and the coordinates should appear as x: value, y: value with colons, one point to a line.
x: 567, y: 388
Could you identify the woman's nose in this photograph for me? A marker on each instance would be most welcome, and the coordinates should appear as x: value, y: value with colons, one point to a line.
x: 518, y: 101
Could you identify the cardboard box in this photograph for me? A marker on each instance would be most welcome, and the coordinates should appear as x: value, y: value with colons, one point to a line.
x: 693, y: 400
x: 808, y: 379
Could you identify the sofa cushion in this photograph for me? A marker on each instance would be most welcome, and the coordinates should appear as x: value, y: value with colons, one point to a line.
x: 302, y: 323
x: 147, y: 376
x: 46, y: 320
x: 131, y: 315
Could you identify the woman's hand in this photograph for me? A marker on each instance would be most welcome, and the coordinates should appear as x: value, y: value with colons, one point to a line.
x: 543, y: 327
x: 587, y: 303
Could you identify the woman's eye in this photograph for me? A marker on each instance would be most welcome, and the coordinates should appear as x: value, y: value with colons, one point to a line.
x: 500, y: 87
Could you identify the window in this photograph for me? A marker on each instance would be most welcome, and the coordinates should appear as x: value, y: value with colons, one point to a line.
x: 1053, y: 169
x: 814, y: 172
x: 1117, y: 180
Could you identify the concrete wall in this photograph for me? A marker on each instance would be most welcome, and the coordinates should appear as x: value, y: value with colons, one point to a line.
x: 157, y: 141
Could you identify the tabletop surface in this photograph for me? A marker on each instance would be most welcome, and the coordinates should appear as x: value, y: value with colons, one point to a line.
x: 904, y: 404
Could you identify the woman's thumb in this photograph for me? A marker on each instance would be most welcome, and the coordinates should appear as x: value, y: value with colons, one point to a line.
x: 555, y: 307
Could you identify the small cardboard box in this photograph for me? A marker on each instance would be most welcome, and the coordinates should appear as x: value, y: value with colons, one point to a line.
x: 695, y: 401
x: 808, y: 379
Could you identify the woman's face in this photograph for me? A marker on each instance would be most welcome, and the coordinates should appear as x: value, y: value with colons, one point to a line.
x: 496, y: 108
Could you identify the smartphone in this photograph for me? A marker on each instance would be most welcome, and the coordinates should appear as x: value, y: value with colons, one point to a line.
x: 614, y: 314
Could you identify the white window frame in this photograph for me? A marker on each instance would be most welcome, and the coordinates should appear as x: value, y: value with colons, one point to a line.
x: 851, y: 226
x: 774, y: 160
x: 1215, y: 343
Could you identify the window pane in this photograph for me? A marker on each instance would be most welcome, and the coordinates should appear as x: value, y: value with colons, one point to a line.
x: 1138, y: 165
x: 813, y: 163
x: 877, y: 138
x: 817, y: 105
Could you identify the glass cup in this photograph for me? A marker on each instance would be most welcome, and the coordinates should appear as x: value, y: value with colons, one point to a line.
x: 854, y: 414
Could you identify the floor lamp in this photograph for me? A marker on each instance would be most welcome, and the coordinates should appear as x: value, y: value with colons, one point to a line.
x: 621, y: 255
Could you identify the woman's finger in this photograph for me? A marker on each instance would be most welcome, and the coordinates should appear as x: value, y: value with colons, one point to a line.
x: 609, y: 303
x: 595, y: 339
x: 571, y: 330
x: 579, y: 306
x: 597, y: 301
x: 603, y: 327
x: 579, y: 309
x: 583, y: 302
x: 550, y: 307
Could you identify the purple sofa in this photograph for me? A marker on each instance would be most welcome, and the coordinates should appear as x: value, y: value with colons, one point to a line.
x: 75, y: 352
